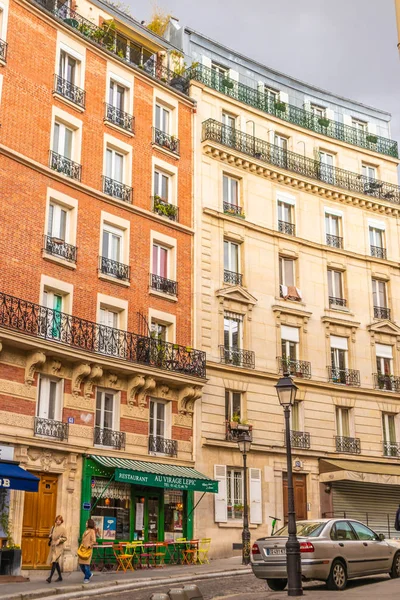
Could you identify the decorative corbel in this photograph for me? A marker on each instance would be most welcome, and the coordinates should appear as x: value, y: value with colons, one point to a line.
x: 221, y: 305
x: 305, y: 322
x: 34, y: 360
x: 78, y: 374
x: 327, y: 330
x: 372, y: 338
x: 164, y: 391
x: 147, y: 388
x: 249, y: 312
x: 353, y: 334
x: 112, y: 380
x: 187, y: 397
x: 55, y: 366
x: 135, y: 383
x: 397, y: 342
x: 95, y: 373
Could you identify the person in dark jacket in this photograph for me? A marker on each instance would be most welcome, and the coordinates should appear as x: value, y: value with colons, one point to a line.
x: 397, y: 520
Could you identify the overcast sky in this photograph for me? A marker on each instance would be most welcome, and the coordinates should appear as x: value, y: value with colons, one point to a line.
x: 345, y: 46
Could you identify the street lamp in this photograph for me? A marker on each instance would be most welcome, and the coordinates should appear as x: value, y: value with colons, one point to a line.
x: 286, y: 391
x: 244, y: 443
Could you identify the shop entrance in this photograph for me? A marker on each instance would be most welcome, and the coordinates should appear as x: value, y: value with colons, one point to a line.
x: 148, y: 519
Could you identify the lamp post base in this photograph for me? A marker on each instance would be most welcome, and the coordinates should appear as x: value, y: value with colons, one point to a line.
x: 293, y: 562
x: 245, y: 546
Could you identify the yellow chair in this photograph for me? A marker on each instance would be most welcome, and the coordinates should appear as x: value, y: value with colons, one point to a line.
x: 190, y: 553
x: 123, y: 558
x: 134, y: 549
x: 202, y: 555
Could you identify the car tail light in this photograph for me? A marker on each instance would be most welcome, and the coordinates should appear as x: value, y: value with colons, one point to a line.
x: 255, y: 549
x: 306, y: 547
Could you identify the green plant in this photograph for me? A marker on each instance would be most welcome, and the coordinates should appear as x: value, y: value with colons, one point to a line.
x: 85, y: 29
x: 176, y: 54
x: 324, y: 122
x: 238, y: 507
x: 169, y: 210
x: 121, y: 54
x: 372, y: 139
x: 227, y: 83
x: 159, y: 21
x: 280, y: 106
x: 235, y: 418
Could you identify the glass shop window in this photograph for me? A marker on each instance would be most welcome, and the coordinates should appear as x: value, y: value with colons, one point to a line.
x: 112, y: 511
x: 173, y: 514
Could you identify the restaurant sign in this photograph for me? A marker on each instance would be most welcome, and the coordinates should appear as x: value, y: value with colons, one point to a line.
x: 166, y: 481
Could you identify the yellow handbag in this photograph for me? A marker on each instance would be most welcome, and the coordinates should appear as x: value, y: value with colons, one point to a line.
x: 83, y: 552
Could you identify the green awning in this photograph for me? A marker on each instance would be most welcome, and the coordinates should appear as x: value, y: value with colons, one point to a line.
x: 153, y: 474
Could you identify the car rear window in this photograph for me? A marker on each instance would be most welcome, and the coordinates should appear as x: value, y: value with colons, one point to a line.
x: 303, y: 529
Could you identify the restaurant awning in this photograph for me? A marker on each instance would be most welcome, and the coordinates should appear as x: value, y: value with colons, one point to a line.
x: 357, y: 470
x: 13, y: 477
x: 161, y: 475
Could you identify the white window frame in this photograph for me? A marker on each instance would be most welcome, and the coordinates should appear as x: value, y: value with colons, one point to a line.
x: 113, y: 231
x: 3, y: 21
x: 359, y: 124
x: 386, y: 428
x: 229, y: 398
x: 339, y: 413
x: 318, y: 111
x: 115, y: 305
x: 167, y: 249
x: 157, y: 192
x: 229, y: 199
x: 369, y: 171
x: 70, y: 205
x: 166, y: 319
x: 282, y: 275
x: 281, y: 141
x: 284, y: 205
x: 60, y: 288
x: 229, y: 120
x: 332, y: 283
x: 115, y: 152
x: 229, y: 318
x: 115, y: 410
x: 44, y: 388
x: 54, y: 221
x: 62, y: 71
x: 231, y: 473
x: 166, y: 422
x: 113, y: 93
x: 332, y: 218
x: 165, y: 114
x: 373, y: 232
x: 376, y: 283
x: 231, y: 267
x: 75, y: 125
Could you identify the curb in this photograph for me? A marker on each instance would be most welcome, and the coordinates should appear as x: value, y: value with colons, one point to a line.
x: 82, y: 591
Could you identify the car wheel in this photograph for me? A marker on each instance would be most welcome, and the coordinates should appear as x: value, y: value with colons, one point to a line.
x: 337, y: 579
x: 395, y: 570
x: 277, y: 585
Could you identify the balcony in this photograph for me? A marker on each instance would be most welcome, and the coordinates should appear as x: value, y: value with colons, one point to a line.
x: 166, y: 141
x: 378, y: 252
x: 3, y: 51
x: 114, y: 269
x: 295, y: 368
x: 165, y: 209
x: 51, y: 428
x: 116, y: 189
x: 381, y: 312
x: 232, y: 277
x: 44, y: 323
x: 298, y: 163
x: 109, y: 438
x: 65, y: 165
x: 60, y: 248
x: 334, y: 241
x: 161, y: 284
x: 288, y: 228
x: 161, y: 445
x: 389, y: 383
x: 68, y: 90
x: 344, y: 376
x: 348, y: 445
x: 300, y: 439
x: 292, y: 114
x: 233, y: 430
x: 119, y: 118
x: 237, y: 357
x: 234, y: 210
x: 337, y: 302
x: 391, y: 449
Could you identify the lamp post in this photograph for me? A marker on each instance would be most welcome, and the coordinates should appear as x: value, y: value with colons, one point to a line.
x: 286, y: 391
x: 244, y: 443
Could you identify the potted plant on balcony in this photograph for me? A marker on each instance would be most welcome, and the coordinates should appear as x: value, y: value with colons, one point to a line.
x: 324, y: 122
x: 227, y: 83
x: 179, y: 80
x: 280, y: 106
x: 372, y: 139
x: 10, y: 559
x: 164, y: 208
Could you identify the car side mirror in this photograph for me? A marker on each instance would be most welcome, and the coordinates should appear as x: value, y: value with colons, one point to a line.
x: 381, y: 537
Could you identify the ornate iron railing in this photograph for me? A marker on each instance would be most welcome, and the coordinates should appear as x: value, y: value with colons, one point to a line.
x: 344, y: 376
x: 288, y: 228
x: 232, y: 277
x: 391, y: 449
x: 233, y: 209
x: 169, y: 142
x: 292, y: 114
x: 337, y: 301
x: 163, y: 446
x: 116, y: 189
x: 119, y: 117
x: 65, y: 165
x: 164, y: 208
x: 300, y: 439
x: 51, y: 428
x: 161, y: 284
x: 49, y: 324
x: 348, y: 445
x: 70, y: 91
x: 381, y: 312
x: 60, y: 248
x: 389, y: 383
x: 3, y: 50
x: 114, y: 268
x: 298, y: 163
x: 378, y: 252
x: 334, y: 241
x: 296, y: 368
x: 234, y: 430
x: 237, y: 357
x: 110, y: 438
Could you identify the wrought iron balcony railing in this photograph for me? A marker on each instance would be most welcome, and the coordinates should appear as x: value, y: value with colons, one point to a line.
x: 378, y: 252
x: 234, y: 430
x: 110, y: 438
x: 292, y: 114
x: 237, y: 357
x: 51, y: 428
x: 3, y: 50
x: 60, y: 248
x: 86, y: 336
x: 233, y: 209
x: 119, y: 117
x: 161, y: 284
x: 116, y: 189
x: 288, y: 228
x: 69, y: 91
x: 334, y: 241
x: 344, y: 376
x: 232, y: 277
x: 300, y: 439
x: 164, y: 208
x: 337, y: 301
x: 65, y: 165
x: 381, y: 312
x: 114, y: 268
x: 169, y: 142
x: 298, y: 163
x: 390, y: 383
x: 296, y: 368
x: 391, y: 449
x: 348, y: 445
x: 163, y: 446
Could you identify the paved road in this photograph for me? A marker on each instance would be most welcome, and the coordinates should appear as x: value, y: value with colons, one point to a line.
x: 247, y: 587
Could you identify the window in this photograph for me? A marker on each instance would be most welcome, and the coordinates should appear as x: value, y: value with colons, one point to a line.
x: 54, y: 301
x: 232, y: 331
x: 68, y: 67
x: 228, y: 120
x: 286, y: 271
x: 369, y: 171
x: 360, y: 125
x: 233, y: 405
x: 281, y: 142
x: 159, y: 331
x: 290, y: 343
x: 57, y: 223
x: 109, y: 317
x: 49, y: 399
x: 379, y: 293
x: 271, y: 95
x: 162, y: 119
x: 62, y: 140
x: 161, y: 185
x: 157, y: 419
x: 333, y: 227
x: 295, y: 417
x: 114, y: 165
x: 335, y: 288
x: 342, y: 421
x: 105, y: 410
x: 377, y: 242
x: 112, y: 243
x: 363, y: 532
x: 327, y: 163
x: 160, y: 261
x: 231, y: 256
x: 234, y: 484
x: 116, y: 95
x: 230, y: 190
x: 341, y: 530
x: 384, y: 359
x: 219, y: 69
x: 339, y: 349
x: 285, y: 212
x: 318, y: 111
x: 389, y: 430
x: 228, y: 131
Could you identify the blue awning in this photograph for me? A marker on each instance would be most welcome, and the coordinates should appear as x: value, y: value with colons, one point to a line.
x: 12, y: 477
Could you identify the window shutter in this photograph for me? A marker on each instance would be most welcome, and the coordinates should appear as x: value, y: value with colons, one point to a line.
x: 330, y: 114
x: 260, y: 87
x: 339, y: 342
x: 221, y: 510
x: 347, y: 120
x: 284, y: 97
x: 255, y: 496
x: 371, y: 128
x: 384, y: 351
x: 307, y: 105
x: 234, y: 75
x: 206, y: 61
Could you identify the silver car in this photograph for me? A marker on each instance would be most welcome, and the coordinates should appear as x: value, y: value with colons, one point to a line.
x: 332, y: 550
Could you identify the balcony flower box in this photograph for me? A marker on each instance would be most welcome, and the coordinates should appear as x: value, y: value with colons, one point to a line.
x: 324, y: 122
x: 372, y: 139
x: 240, y: 426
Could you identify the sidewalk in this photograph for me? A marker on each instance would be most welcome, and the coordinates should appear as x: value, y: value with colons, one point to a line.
x: 72, y: 584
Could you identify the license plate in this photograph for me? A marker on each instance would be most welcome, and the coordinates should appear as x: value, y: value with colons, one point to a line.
x: 271, y: 551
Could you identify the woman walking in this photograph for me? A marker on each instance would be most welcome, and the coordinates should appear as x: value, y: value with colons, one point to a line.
x: 88, y: 539
x: 57, y: 537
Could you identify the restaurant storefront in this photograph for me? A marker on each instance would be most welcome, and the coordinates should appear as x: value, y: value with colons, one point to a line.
x: 132, y: 500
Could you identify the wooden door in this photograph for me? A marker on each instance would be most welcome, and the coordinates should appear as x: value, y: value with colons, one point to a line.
x: 300, y: 496
x: 39, y: 516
